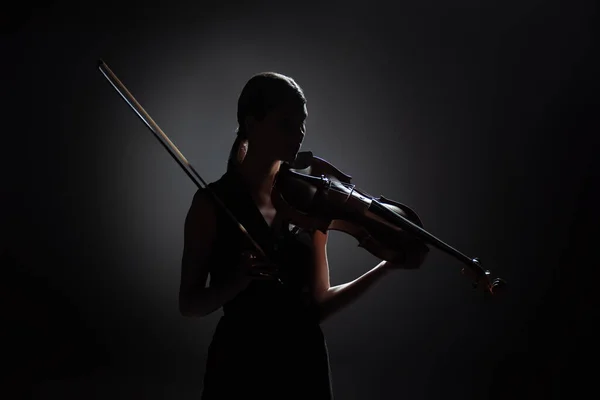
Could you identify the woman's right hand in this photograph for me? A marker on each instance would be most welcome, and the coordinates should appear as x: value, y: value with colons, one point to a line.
x: 252, y: 267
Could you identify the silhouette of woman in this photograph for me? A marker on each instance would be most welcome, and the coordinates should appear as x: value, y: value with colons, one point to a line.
x: 269, y: 341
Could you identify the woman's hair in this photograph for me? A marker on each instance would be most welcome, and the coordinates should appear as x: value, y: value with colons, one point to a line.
x: 261, y: 94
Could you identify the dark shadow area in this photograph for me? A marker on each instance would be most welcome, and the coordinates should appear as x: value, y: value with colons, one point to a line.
x: 45, y: 334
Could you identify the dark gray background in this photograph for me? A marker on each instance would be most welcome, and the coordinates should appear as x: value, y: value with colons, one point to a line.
x: 480, y: 117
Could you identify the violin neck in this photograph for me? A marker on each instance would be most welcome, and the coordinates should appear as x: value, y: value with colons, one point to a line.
x: 380, y: 209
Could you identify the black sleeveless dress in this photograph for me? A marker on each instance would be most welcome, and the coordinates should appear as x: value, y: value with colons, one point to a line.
x: 268, y: 343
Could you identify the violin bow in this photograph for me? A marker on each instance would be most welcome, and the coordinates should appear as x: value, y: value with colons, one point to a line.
x: 170, y: 147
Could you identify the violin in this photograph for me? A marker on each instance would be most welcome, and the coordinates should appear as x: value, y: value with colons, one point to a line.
x: 314, y: 194
x: 311, y: 193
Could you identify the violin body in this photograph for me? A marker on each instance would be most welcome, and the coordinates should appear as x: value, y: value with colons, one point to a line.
x: 314, y: 194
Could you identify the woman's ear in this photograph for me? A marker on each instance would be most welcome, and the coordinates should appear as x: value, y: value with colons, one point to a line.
x: 242, y: 150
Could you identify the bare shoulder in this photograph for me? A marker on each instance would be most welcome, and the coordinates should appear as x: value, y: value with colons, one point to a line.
x: 202, y: 197
x: 202, y: 206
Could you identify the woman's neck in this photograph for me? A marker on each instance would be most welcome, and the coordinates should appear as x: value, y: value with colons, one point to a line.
x: 259, y: 174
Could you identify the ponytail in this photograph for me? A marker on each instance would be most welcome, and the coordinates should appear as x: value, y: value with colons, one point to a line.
x: 235, y: 159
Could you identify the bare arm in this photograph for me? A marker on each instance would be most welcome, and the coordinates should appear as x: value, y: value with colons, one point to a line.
x: 333, y: 299
x: 195, y: 299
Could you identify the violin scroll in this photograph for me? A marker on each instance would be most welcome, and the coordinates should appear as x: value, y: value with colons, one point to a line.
x: 483, y: 277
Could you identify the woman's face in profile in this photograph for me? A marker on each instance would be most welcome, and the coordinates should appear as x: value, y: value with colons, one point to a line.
x: 281, y: 133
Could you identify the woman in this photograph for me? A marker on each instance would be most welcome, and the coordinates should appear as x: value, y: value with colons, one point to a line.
x: 269, y: 342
